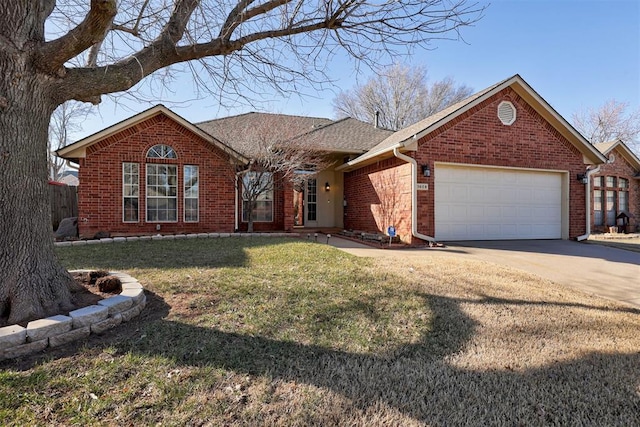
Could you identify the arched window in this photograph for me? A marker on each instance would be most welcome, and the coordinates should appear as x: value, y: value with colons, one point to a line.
x: 161, y: 151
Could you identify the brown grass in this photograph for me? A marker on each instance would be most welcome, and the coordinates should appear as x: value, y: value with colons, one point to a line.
x: 629, y: 244
x: 267, y: 332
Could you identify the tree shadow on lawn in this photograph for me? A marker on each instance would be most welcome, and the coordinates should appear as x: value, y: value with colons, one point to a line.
x: 417, y: 379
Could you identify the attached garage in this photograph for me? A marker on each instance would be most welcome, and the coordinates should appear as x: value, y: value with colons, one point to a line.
x: 499, y: 165
x: 495, y: 203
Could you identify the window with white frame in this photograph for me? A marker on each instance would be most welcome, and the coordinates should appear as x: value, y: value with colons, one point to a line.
x: 162, y: 193
x: 257, y: 185
x: 161, y: 151
x: 191, y: 193
x: 130, y: 192
x: 312, y: 199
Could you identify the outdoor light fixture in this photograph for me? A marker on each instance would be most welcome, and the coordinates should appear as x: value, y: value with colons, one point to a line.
x: 327, y: 187
x: 425, y: 170
x: 582, y: 177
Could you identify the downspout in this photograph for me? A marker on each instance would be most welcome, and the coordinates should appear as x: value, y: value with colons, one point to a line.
x: 235, y: 184
x: 588, y: 203
x: 235, y: 211
x: 414, y: 196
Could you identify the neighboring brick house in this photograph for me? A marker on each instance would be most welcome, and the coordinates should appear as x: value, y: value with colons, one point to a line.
x: 501, y: 164
x: 616, y: 189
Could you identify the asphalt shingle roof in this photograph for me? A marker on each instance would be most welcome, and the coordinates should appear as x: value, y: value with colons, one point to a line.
x: 246, y: 131
x: 346, y: 135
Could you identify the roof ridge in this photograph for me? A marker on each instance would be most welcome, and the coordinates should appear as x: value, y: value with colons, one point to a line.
x: 265, y: 114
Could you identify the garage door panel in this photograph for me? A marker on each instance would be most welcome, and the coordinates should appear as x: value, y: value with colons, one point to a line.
x: 474, y: 203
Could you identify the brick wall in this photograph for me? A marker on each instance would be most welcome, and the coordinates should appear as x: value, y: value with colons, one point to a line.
x: 476, y: 137
x: 620, y: 168
x: 379, y: 195
x: 100, y: 190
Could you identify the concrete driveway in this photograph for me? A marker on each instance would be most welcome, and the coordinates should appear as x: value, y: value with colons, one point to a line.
x: 604, y: 271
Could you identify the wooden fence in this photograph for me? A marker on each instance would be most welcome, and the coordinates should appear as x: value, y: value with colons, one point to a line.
x: 64, y: 203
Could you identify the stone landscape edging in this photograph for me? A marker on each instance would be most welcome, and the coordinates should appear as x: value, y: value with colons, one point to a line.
x: 169, y: 237
x: 55, y: 331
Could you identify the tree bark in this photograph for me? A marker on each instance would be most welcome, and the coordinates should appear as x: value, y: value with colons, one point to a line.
x: 33, y: 283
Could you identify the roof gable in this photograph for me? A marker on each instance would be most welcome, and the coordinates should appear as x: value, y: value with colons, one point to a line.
x: 618, y: 145
x: 78, y: 149
x: 404, y: 138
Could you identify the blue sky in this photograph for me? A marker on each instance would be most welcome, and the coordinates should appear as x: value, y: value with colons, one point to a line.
x: 574, y: 53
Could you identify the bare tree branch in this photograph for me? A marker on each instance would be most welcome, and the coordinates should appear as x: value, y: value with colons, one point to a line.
x: 401, y: 95
x: 52, y: 55
x: 609, y: 122
x: 65, y: 120
x: 306, y: 29
x: 277, y: 155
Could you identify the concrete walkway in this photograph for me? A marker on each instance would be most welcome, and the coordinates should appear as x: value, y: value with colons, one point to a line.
x: 604, y: 271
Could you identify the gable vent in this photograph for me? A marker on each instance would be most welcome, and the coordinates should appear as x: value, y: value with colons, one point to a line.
x: 506, y: 113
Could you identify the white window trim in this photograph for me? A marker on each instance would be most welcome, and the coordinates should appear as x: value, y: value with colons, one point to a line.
x: 147, y: 197
x: 184, y: 194
x: 272, y: 200
x: 130, y: 197
x: 165, y: 152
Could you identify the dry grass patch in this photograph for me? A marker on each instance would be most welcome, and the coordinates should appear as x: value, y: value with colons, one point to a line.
x: 283, y: 332
x: 630, y: 244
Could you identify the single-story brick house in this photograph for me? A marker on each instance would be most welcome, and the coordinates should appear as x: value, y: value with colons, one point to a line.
x: 502, y: 164
x: 615, y: 188
x: 157, y: 172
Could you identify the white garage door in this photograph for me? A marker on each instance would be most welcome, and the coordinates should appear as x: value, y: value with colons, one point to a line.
x: 475, y: 203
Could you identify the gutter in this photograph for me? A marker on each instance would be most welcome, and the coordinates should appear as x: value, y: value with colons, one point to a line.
x: 588, y: 203
x: 235, y: 211
x: 414, y: 195
x: 70, y: 166
x: 235, y: 214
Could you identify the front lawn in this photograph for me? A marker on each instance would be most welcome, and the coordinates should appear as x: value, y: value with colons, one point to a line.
x: 266, y: 331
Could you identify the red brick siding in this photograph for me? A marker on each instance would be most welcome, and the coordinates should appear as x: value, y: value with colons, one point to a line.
x: 620, y: 168
x: 379, y: 195
x: 478, y: 137
x: 100, y: 190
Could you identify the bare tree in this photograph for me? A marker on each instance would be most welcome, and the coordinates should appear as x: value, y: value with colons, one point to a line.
x: 277, y: 155
x: 96, y: 47
x: 65, y: 120
x: 401, y: 95
x: 609, y: 122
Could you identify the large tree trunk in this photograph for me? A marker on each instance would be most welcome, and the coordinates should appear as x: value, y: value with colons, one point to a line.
x: 33, y: 283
